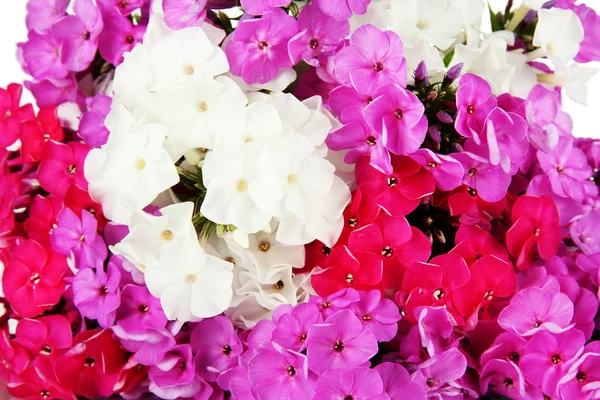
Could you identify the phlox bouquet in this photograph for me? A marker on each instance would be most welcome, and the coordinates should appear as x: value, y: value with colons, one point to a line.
x: 296, y: 200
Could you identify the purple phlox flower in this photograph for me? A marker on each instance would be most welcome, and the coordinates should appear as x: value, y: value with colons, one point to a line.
x: 546, y: 120
x: 130, y: 274
x: 568, y: 170
x: 344, y: 97
x: 421, y: 76
x: 454, y: 72
x: 125, y: 7
x: 319, y: 34
x: 96, y: 294
x: 367, y: 67
x: 435, y: 329
x: 398, y: 115
x: 489, y: 181
x: 79, y: 236
x: 444, y: 117
x: 340, y: 342
x: 292, y: 329
x: 434, y: 374
x: 507, y: 346
x: 174, y: 377
x: 333, y: 303
x: 216, y: 346
x: 358, y: 137
x: 53, y: 92
x: 568, y: 209
x: 42, y: 14
x: 278, y: 373
x: 474, y: 100
x: 140, y: 310
x: 582, y: 380
x: 589, y: 49
x: 91, y: 127
x: 236, y: 381
x: 558, y: 267
x: 261, y: 333
x: 548, y: 357
x: 410, y: 349
x: 586, y: 308
x: 506, y: 141
x: 148, y: 345
x: 78, y: 35
x: 119, y: 36
x: 342, y: 10
x: 533, y: 309
x: 41, y: 56
x: 512, y: 104
x: 357, y: 383
x: 590, y: 265
x: 448, y: 172
x: 585, y: 233
x: 260, y: 7
x: 181, y: 14
x: 503, y: 378
x: 397, y: 383
x: 381, y: 316
x: 258, y: 47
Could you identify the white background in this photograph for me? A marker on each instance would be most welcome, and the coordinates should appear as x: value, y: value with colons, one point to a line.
x: 13, y: 30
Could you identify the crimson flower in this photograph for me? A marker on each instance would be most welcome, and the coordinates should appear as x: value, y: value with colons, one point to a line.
x: 433, y: 283
x: 343, y: 269
x: 44, y: 336
x: 32, y: 281
x: 474, y: 243
x: 535, y: 229
x: 491, y: 278
x: 36, y: 132
x: 78, y: 199
x: 62, y: 166
x: 39, y: 381
x: 14, y: 358
x: 12, y: 114
x: 398, y: 193
x: 42, y: 217
x: 472, y: 209
x: 93, y: 365
x: 361, y: 211
x: 395, y: 242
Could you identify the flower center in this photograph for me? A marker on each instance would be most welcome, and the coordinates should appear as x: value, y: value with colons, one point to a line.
x: 514, y: 357
x: 292, y: 179
x: 326, y: 250
x: 366, y: 317
x: 314, y: 43
x: 353, y: 222
x: 508, y: 383
x: 291, y: 371
x: 44, y: 394
x: 188, y: 69
x: 581, y: 376
x: 264, y: 246
x: 348, y: 397
x: 560, y: 170
x: 327, y: 304
x: 226, y: 349
x: 471, y: 109
x: 182, y: 366
x: 378, y: 66
x: 103, y: 291
x: 438, y: 294
x: 472, y: 192
x: 202, y: 106
x: 72, y: 169
x: 302, y: 338
x: 46, y: 350
x: 167, y: 235
x: 387, y: 252
x: 399, y: 113
x: 34, y: 279
x: 123, y: 3
x: 536, y: 231
x: 488, y: 295
x: 537, y: 324
x: 431, y: 382
x: 432, y: 164
x: 278, y: 285
x: 371, y: 140
x: 89, y: 362
x: 556, y: 359
x: 349, y: 278
x: 86, y: 35
x: 338, y: 346
x: 242, y: 186
x: 191, y: 279
x: 263, y: 45
x: 391, y: 181
x: 140, y: 164
x: 471, y: 172
x: 129, y: 39
x: 143, y: 308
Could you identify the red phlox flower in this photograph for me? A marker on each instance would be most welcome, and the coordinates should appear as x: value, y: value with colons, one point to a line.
x: 535, y: 230
x: 45, y: 336
x: 33, y: 278
x: 472, y: 209
x: 62, y: 166
x: 474, y: 243
x: 36, y: 132
x: 433, y: 283
x: 395, y: 242
x: 14, y: 358
x: 343, y: 269
x: 42, y: 218
x: 132, y: 375
x: 361, y: 211
x: 398, y: 193
x: 39, y: 381
x: 491, y: 278
x: 12, y: 114
x: 78, y: 199
x: 93, y: 365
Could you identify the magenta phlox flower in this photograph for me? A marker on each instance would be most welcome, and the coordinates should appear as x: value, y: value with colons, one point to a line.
x: 292, y: 328
x: 585, y: 233
x: 507, y: 346
x: 343, y: 10
x: 435, y: 374
x: 78, y: 35
x: 340, y: 342
x: 367, y: 67
x: 582, y: 380
x: 331, y: 304
x: 546, y: 120
x: 139, y: 310
x: 125, y: 7
x: 91, y: 127
x: 397, y: 383
x: 148, y: 345
x: 358, y: 383
x: 181, y: 14
x: 533, y: 309
x: 97, y: 294
x: 475, y: 101
x: 380, y: 315
x: 489, y: 181
x: 41, y: 57
x: 435, y: 326
x: 119, y: 36
x: 504, y: 378
x: 448, y: 172
x: 568, y: 209
x: 260, y: 7
x: 343, y: 97
x: 42, y: 14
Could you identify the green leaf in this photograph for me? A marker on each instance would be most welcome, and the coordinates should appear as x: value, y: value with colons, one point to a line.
x: 448, y: 58
x: 496, y: 25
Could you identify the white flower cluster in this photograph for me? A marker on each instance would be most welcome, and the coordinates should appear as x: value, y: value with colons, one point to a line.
x: 434, y: 29
x: 263, y: 164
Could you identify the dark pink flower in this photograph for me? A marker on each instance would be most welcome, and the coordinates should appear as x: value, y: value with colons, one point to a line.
x: 367, y: 67
x: 489, y: 181
x: 174, y: 376
x: 139, y: 309
x: 446, y: 171
x: 119, y: 36
x: 582, y: 378
x: 91, y: 127
x: 260, y: 7
x: 42, y: 14
x: 14, y: 357
x: 45, y: 336
x: 504, y: 378
x: 292, y: 328
x: 125, y: 7
x: 474, y: 101
x: 182, y: 14
x: 358, y: 383
x: 62, y: 166
x: 97, y: 294
x: 12, y: 113
x: 397, y: 383
x: 381, y: 316
x: 434, y: 374
x: 42, y: 57
x: 342, y: 10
